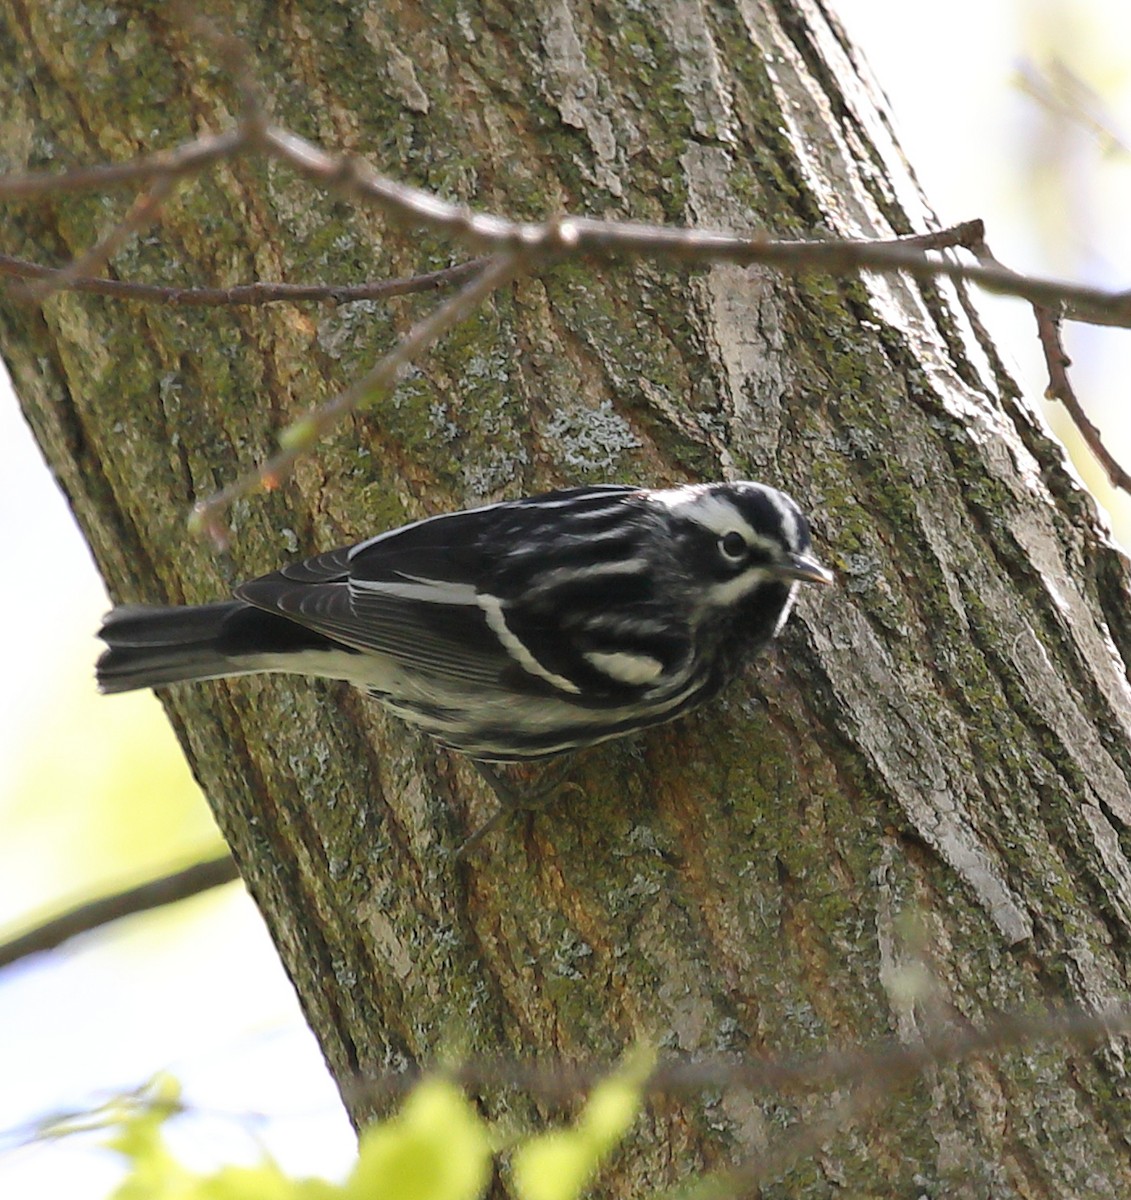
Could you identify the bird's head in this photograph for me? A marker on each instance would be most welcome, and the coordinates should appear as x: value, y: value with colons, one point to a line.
x: 747, y: 546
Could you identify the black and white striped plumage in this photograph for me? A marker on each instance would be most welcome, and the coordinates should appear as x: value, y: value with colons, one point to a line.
x: 513, y: 631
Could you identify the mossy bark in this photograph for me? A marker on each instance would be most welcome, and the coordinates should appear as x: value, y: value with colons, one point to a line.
x: 932, y: 764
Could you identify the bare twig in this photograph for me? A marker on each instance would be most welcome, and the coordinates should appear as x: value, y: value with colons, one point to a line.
x: 153, y: 1096
x: 872, y: 1075
x: 880, y: 1074
x: 155, y: 893
x: 1068, y: 98
x: 189, y: 158
x: 246, y: 293
x: 1060, y: 388
x: 233, y: 57
x: 963, y: 235
x: 584, y: 235
x: 143, y: 212
x: 522, y: 246
x: 297, y: 438
x: 609, y: 239
x: 890, y: 1062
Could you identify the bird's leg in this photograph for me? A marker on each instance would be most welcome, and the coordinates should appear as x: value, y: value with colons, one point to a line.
x: 511, y: 800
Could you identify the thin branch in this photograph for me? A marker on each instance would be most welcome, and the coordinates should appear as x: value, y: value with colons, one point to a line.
x: 189, y: 158
x: 519, y: 246
x: 246, y: 293
x: 581, y: 235
x: 143, y: 212
x: 168, y: 889
x: 888, y: 1060
x: 298, y: 438
x: 1060, y: 388
x: 353, y: 177
x: 964, y: 235
x: 233, y: 57
x: 881, y: 1075
x: 607, y: 239
x: 873, y: 1074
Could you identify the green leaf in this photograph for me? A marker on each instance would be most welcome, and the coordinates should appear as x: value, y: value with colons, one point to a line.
x: 611, y: 1109
x: 436, y: 1148
x: 559, y: 1165
x: 555, y: 1166
x: 154, y: 1174
x: 265, y: 1182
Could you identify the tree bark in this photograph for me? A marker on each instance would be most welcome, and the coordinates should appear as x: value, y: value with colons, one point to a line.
x: 943, y: 737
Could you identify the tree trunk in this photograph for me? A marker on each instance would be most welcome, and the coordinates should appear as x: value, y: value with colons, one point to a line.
x: 944, y: 736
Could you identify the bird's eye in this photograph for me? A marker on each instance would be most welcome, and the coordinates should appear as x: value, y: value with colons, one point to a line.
x: 733, y: 546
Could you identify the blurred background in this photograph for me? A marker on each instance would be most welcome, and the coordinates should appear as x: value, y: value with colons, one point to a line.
x: 1017, y: 111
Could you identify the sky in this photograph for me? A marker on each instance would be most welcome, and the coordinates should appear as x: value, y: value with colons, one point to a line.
x: 199, y: 990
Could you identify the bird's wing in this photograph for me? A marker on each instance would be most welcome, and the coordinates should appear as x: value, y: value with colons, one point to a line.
x: 448, y: 595
x: 428, y: 624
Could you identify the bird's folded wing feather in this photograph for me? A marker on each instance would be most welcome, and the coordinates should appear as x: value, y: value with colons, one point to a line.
x: 409, y: 594
x: 424, y: 632
x: 437, y: 596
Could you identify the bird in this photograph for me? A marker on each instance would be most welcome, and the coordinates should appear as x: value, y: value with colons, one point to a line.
x: 514, y: 631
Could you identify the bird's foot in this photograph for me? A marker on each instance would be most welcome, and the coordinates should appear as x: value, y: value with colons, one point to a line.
x: 513, y: 799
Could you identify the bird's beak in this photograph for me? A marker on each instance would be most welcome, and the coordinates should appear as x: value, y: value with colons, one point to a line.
x: 804, y: 569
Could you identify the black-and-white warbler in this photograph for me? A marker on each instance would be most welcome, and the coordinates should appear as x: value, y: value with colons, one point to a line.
x: 513, y: 631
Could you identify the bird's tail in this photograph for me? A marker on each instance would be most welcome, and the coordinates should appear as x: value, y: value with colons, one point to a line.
x: 152, y: 646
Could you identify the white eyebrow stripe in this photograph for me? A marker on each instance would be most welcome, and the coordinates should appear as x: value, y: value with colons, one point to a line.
x: 713, y: 512
x: 718, y: 514
x: 625, y: 667
x: 790, y: 518
x: 770, y: 545
x: 492, y: 608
